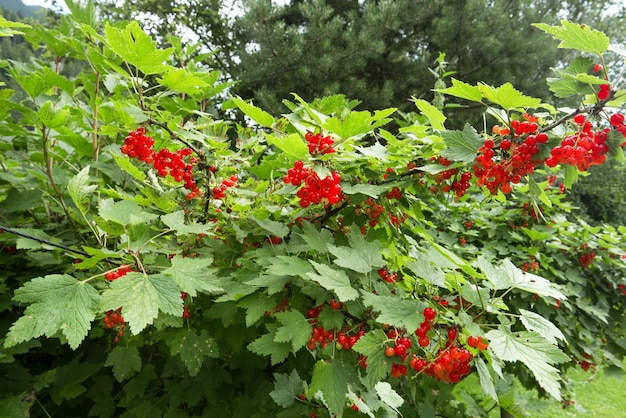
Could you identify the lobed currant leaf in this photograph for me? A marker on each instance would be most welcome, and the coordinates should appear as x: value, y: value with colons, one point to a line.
x: 194, y: 275
x: 333, y: 280
x: 331, y: 379
x: 287, y: 388
x: 58, y: 302
x: 193, y: 348
x: 125, y: 362
x: 294, y: 328
x: 401, y: 313
x: 577, y: 36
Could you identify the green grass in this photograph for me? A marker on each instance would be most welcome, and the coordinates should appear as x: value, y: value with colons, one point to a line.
x: 602, y: 397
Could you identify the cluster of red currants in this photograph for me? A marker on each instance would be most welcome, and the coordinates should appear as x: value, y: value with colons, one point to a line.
x: 319, y: 144
x: 450, y: 364
x: 582, y: 149
x: 314, y: 190
x: 425, y: 327
x: 219, y: 192
x: 138, y: 145
x: 387, y: 276
x: 117, y: 273
x: 586, y: 258
x: 518, y: 155
x: 114, y: 319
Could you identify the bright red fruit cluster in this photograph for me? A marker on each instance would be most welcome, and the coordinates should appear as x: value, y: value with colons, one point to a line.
x: 450, y: 365
x: 114, y: 319
x: 219, y: 192
x: 326, y: 191
x: 477, y: 342
x: 138, y: 145
x: 387, y: 276
x: 319, y: 144
x: 116, y: 274
x: 425, y: 327
x: 582, y: 149
x: 586, y: 258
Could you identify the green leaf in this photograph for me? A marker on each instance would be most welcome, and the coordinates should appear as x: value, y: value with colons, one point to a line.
x: 532, y: 350
x: 462, y: 145
x: 566, y: 87
x: 257, y: 115
x: 433, y: 114
x: 256, y: 305
x: 126, y: 165
x: 182, y: 81
x: 125, y: 362
x: 287, y: 388
x: 371, y: 190
x: 535, y: 322
x: 397, y: 312
x: 7, y: 27
x: 80, y: 191
x: 275, y: 228
x: 331, y: 318
x: 334, y: 280
x: 508, y: 97
x: 135, y: 47
x: 362, y: 256
x: 142, y: 297
x: 571, y: 175
x: 331, y: 378
x: 194, y: 275
x: 486, y: 381
x: 463, y: 90
x: 176, y: 221
x: 372, y: 345
x: 537, y: 192
x: 266, y: 345
x: 357, y: 123
x: 318, y: 239
x: 577, y: 36
x: 289, y: 265
x: 17, y: 200
x: 377, y: 151
x: 388, y: 396
x: 193, y: 348
x: 424, y: 269
x: 59, y: 302
x: 294, y: 328
x: 292, y: 145
x: 124, y: 212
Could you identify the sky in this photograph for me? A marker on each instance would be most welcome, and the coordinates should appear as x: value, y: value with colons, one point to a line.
x: 45, y: 3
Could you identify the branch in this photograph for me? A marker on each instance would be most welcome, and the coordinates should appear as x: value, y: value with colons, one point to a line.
x: 53, y: 244
x: 176, y: 136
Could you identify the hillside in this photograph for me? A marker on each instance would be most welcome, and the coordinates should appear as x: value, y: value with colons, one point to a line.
x: 19, y: 8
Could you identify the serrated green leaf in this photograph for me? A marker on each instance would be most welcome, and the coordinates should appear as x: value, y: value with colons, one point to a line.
x: 361, y: 256
x: 318, y: 239
x: 377, y: 151
x: 7, y: 27
x: 266, y: 345
x: 135, y: 47
x: 59, y: 302
x: 124, y: 212
x: 486, y: 381
x: 331, y: 318
x: 292, y: 145
x: 535, y: 322
x: 183, y: 81
x: 395, y: 311
x: 577, y: 36
x: 507, y: 275
x: 331, y: 378
x: 424, y: 269
x: 333, y: 280
x: 17, y: 200
x: 566, y: 87
x: 277, y: 229
x: 176, y: 222
x: 463, y: 90
x: 256, y: 305
x: 571, y: 175
x: 193, y: 348
x: 508, y: 97
x: 126, y: 165
x: 433, y: 114
x: 80, y: 191
x: 462, y: 145
x: 194, y: 275
x: 294, y: 328
x: 372, y: 345
x: 51, y: 117
x: 357, y: 123
x: 142, y: 297
x: 259, y: 116
x: 534, y: 351
x: 287, y: 388
x: 371, y: 190
x: 388, y: 396
x: 538, y: 193
x: 284, y: 265
x: 125, y: 362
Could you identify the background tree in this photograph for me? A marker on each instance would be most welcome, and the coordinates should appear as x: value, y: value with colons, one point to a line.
x: 377, y: 52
